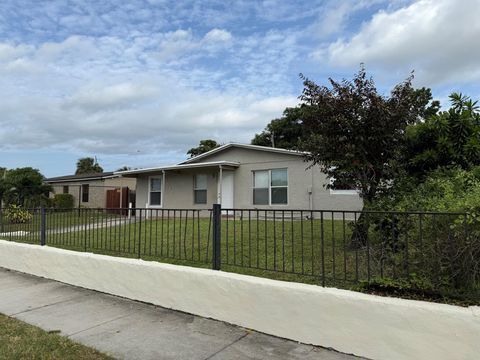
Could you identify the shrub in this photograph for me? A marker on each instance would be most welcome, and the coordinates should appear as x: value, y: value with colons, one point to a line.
x: 64, y: 201
x: 14, y: 214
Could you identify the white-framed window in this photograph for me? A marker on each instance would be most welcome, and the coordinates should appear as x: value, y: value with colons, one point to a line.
x: 342, y: 189
x: 200, y: 189
x: 270, y: 187
x: 155, y: 191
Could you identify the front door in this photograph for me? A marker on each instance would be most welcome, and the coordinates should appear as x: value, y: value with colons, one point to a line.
x: 227, y: 189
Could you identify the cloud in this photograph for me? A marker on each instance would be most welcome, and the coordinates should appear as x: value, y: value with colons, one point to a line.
x: 217, y: 35
x: 435, y: 37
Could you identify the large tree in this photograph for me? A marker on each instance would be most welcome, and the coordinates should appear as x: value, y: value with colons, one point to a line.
x: 355, y: 134
x: 25, y: 187
x: 285, y: 132
x: 88, y: 165
x: 203, y: 147
x: 449, y: 138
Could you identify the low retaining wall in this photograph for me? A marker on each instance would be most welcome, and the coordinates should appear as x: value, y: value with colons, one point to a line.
x: 371, y: 326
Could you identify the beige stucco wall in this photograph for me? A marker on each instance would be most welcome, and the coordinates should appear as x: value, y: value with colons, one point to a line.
x: 178, y: 192
x: 306, y: 187
x: 300, y: 181
x: 97, y: 192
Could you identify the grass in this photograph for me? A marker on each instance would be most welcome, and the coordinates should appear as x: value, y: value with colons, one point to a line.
x: 19, y: 340
x: 313, y: 251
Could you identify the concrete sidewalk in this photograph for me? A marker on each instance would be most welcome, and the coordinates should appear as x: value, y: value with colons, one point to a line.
x: 128, y: 329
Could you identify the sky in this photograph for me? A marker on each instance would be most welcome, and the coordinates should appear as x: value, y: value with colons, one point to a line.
x: 137, y: 83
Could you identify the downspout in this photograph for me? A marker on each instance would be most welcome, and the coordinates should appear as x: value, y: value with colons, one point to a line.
x: 219, y: 186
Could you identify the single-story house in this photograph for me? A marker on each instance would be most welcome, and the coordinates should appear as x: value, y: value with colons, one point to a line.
x: 101, y: 190
x: 242, y: 177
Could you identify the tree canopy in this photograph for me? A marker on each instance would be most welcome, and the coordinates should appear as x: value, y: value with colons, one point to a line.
x: 285, y: 132
x: 449, y: 138
x: 355, y: 134
x: 88, y: 165
x: 203, y: 147
x: 24, y: 186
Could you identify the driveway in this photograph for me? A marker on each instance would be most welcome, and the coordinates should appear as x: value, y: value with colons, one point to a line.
x: 129, y: 329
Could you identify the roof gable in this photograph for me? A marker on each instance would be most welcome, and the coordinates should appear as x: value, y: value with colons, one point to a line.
x: 242, y: 146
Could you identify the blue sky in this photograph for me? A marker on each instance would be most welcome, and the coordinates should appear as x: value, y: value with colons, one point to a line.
x: 139, y: 82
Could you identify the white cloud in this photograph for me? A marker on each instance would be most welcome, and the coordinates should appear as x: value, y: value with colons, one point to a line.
x: 435, y: 37
x: 217, y: 35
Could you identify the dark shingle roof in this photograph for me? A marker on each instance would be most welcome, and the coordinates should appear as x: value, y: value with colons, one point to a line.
x: 82, y: 177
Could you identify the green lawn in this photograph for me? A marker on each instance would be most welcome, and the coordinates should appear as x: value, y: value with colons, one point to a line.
x: 314, y: 251
x: 19, y: 340
x: 307, y: 251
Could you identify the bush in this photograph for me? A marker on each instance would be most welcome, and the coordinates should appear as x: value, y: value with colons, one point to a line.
x: 64, y: 201
x: 14, y: 214
x: 445, y: 252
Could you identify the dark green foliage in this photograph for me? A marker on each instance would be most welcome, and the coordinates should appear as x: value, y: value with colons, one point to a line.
x: 355, y: 134
x: 88, y: 165
x: 203, y: 147
x: 285, y: 132
x: 25, y: 187
x: 63, y: 201
x: 450, y: 138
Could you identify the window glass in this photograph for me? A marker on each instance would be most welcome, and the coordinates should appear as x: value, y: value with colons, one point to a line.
x: 260, y: 179
x: 155, y: 198
x: 155, y: 184
x: 279, y: 195
x: 85, y: 192
x: 279, y: 177
x: 200, y: 196
x: 260, y: 196
x: 201, y: 182
x: 65, y: 189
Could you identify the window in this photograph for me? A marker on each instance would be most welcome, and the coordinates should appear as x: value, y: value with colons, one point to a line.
x: 155, y: 191
x: 85, y: 192
x: 200, y: 189
x: 65, y: 189
x: 342, y: 188
x: 270, y: 187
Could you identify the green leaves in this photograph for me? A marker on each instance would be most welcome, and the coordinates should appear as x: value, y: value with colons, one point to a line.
x: 88, y: 165
x: 360, y: 134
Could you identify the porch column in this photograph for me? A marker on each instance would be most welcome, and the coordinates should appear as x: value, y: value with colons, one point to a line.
x: 219, y: 185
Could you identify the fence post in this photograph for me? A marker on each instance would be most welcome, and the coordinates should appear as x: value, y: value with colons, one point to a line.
x: 43, y: 226
x: 216, y: 218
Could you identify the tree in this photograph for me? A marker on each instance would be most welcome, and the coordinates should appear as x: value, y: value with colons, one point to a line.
x: 25, y: 187
x: 3, y: 187
x: 355, y: 134
x: 285, y: 132
x: 203, y: 147
x: 124, y: 168
x: 88, y: 165
x: 449, y: 138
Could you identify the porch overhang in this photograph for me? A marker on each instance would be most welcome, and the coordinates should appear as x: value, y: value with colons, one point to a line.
x: 226, y: 165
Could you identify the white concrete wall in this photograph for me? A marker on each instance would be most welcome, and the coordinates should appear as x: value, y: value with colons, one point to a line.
x: 371, y: 326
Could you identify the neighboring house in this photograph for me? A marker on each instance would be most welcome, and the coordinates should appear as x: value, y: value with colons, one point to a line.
x: 95, y: 190
x: 242, y: 177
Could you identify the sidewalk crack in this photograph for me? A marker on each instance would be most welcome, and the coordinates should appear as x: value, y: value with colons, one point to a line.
x: 226, y: 346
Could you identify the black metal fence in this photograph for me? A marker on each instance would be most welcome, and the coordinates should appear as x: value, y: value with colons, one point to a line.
x: 327, y: 247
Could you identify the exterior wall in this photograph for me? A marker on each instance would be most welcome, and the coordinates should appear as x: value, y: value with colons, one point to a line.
x: 300, y: 181
x: 366, y: 325
x: 178, y: 189
x: 97, y: 191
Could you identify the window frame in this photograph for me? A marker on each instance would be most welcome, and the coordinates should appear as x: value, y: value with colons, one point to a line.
x: 270, y: 187
x: 66, y: 189
x: 150, y: 178
x: 195, y: 189
x: 85, y: 194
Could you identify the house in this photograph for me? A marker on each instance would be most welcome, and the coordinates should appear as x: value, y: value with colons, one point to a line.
x: 101, y: 190
x: 242, y: 177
